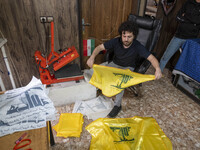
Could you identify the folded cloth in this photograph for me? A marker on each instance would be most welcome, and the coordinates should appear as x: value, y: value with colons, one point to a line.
x: 70, y: 125
x: 189, y: 61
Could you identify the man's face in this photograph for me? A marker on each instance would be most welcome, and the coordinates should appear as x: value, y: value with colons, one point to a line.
x: 127, y: 38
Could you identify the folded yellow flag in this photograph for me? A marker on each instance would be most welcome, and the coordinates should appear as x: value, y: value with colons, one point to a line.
x: 113, y: 80
x: 136, y: 133
x: 70, y: 125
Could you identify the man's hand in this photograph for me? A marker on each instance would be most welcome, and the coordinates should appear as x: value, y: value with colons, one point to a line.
x: 96, y: 51
x: 158, y: 74
x: 90, y: 62
x: 154, y: 62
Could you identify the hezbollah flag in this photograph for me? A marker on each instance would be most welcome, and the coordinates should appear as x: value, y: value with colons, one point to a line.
x: 70, y: 125
x: 113, y: 80
x: 136, y: 133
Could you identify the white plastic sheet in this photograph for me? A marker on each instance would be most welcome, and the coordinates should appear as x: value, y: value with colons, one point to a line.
x: 25, y: 108
x: 95, y: 108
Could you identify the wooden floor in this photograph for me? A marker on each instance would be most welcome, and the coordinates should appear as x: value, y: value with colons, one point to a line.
x: 177, y: 115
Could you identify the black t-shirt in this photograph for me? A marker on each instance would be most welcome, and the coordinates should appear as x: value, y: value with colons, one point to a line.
x: 126, y: 57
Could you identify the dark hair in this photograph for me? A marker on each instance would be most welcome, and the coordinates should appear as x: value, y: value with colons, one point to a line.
x: 128, y: 26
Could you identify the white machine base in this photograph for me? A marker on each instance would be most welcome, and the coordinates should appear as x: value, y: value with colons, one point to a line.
x: 70, y: 92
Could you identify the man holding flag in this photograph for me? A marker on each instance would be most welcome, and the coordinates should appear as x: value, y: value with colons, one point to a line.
x: 126, y: 49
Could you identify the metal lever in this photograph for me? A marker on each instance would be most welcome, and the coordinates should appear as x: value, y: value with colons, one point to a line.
x: 85, y: 24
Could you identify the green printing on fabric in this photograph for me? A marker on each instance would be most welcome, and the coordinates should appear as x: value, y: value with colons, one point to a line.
x: 122, y: 132
x: 124, y: 79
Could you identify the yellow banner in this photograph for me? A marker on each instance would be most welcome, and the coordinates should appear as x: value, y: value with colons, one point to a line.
x: 136, y: 133
x: 113, y: 80
x: 70, y: 125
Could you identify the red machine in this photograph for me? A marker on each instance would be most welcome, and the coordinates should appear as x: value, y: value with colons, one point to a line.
x: 58, y: 60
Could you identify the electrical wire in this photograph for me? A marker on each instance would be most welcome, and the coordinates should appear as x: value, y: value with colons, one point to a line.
x: 2, y: 34
x: 46, y: 41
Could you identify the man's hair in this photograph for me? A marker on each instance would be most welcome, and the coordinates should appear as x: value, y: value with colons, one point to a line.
x: 128, y: 26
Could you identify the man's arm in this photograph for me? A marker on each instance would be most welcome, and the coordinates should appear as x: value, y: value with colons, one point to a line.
x: 155, y: 64
x: 180, y: 15
x: 183, y: 16
x: 96, y: 51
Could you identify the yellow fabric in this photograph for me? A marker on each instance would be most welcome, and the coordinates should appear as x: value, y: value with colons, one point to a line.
x: 113, y: 80
x: 70, y: 125
x: 137, y: 133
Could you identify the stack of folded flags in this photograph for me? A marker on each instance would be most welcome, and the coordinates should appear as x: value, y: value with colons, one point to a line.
x: 70, y: 125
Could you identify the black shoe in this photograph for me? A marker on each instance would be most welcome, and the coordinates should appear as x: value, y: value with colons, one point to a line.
x: 114, y: 111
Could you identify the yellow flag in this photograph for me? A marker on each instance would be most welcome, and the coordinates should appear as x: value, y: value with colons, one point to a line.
x: 70, y: 125
x: 113, y: 80
x: 136, y: 133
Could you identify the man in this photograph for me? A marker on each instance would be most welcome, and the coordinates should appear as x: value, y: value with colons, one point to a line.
x: 126, y: 49
x: 188, y: 18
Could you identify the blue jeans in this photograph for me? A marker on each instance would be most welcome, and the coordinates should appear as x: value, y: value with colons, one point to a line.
x: 119, y: 96
x: 172, y: 48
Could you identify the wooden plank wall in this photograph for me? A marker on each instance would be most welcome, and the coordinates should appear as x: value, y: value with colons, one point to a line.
x: 105, y: 16
x: 20, y: 25
x: 168, y: 29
